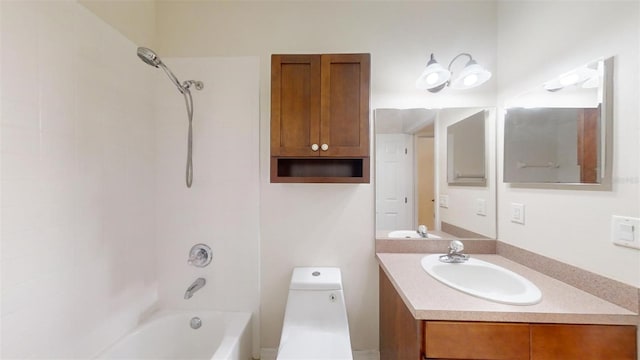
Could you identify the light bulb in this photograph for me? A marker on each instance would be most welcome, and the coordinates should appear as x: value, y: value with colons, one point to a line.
x: 470, y: 79
x: 433, y: 78
x: 569, y: 79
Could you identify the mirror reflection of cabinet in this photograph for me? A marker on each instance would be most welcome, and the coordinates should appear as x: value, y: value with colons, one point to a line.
x: 561, y: 132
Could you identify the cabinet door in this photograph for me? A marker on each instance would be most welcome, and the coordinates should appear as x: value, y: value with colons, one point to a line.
x: 469, y: 340
x: 400, y: 333
x: 295, y: 105
x: 582, y: 342
x: 345, y: 104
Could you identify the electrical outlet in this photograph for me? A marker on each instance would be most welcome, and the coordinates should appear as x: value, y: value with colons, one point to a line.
x: 625, y: 231
x: 443, y: 201
x: 517, y: 213
x: 481, y: 207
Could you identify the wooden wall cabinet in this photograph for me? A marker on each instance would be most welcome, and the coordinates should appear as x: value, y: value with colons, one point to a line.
x: 320, y: 118
x: 403, y: 337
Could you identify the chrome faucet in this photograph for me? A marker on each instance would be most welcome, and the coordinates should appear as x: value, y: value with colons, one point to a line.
x: 455, y: 254
x: 422, y: 231
x: 199, y: 283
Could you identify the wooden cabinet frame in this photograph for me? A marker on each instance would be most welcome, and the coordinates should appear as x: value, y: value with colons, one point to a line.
x: 320, y: 118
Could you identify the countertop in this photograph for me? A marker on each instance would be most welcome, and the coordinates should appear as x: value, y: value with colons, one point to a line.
x: 428, y: 299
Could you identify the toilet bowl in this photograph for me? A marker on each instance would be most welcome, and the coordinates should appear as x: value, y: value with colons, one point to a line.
x: 315, y: 320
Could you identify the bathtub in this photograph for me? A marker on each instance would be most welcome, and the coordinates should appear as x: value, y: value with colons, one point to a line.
x: 168, y: 335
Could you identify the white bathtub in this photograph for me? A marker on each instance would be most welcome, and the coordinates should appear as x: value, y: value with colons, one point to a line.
x: 168, y: 335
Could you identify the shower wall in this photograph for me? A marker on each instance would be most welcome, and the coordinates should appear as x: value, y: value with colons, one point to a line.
x: 77, y: 183
x: 221, y: 209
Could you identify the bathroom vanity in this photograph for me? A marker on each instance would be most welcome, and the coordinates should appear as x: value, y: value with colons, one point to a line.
x: 421, y: 318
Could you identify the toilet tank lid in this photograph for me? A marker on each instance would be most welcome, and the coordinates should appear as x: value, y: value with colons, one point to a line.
x: 316, y: 278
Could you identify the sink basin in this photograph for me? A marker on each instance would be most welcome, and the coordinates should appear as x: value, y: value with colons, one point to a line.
x: 484, y: 280
x: 410, y: 234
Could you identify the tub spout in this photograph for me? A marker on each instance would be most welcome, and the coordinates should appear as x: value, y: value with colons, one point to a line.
x: 199, y: 283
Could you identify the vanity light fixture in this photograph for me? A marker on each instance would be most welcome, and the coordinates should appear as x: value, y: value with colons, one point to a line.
x: 585, y: 76
x: 435, y: 77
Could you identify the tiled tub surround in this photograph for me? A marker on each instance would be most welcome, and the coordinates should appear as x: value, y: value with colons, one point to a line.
x: 428, y: 299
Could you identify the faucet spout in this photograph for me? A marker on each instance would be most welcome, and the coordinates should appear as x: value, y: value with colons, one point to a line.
x: 455, y: 254
x: 422, y: 231
x: 195, y: 286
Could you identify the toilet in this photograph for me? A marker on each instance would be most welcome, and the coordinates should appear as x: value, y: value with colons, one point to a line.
x: 315, y: 320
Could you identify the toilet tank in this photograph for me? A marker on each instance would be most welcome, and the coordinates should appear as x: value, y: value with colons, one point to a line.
x: 316, y: 278
x: 315, y: 322
x: 316, y: 299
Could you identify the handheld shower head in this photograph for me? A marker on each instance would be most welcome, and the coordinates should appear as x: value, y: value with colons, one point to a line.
x: 149, y: 56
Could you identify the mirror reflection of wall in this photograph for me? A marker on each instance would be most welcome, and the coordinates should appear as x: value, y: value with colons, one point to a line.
x: 465, y: 151
x: 411, y: 153
x: 470, y: 209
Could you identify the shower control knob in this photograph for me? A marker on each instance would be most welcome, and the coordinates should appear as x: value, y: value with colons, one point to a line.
x: 314, y: 147
x: 199, y: 255
x: 324, y: 147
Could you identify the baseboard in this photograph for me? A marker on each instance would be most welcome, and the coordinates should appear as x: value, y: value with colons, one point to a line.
x: 270, y: 354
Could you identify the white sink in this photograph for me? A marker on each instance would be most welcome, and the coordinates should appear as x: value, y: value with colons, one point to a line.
x: 484, y: 280
x: 410, y: 234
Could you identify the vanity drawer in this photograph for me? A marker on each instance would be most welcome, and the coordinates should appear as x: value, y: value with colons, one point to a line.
x: 476, y: 340
x: 584, y: 342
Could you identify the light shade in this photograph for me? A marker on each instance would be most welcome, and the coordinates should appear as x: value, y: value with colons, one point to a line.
x: 585, y: 76
x: 434, y: 77
x: 471, y: 76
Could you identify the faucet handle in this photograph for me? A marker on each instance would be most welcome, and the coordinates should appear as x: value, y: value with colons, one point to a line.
x: 199, y: 255
x: 456, y: 247
x: 422, y: 230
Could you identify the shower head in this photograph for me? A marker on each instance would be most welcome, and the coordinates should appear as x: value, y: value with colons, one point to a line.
x: 149, y: 56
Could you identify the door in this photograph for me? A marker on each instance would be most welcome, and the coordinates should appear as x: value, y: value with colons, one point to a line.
x: 394, y: 182
x: 425, y: 181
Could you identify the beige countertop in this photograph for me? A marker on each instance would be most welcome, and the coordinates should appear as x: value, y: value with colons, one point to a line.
x: 428, y: 299
x: 384, y: 235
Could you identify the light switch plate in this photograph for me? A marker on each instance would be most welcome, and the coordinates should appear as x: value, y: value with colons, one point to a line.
x: 517, y: 213
x: 443, y: 201
x: 481, y: 207
x: 625, y: 231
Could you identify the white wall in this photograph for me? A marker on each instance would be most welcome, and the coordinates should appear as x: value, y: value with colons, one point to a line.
x: 78, y: 265
x: 221, y: 209
x: 462, y: 199
x: 537, y: 41
x: 310, y: 224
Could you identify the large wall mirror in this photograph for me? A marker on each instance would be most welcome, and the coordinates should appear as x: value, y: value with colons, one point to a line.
x: 560, y: 132
x: 411, y: 171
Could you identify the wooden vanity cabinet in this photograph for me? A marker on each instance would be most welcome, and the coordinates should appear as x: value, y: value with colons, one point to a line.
x: 402, y: 337
x: 320, y: 118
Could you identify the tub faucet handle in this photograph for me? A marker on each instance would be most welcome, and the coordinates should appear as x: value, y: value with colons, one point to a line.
x: 200, y: 255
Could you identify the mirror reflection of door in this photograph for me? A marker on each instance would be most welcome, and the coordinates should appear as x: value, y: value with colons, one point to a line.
x: 425, y: 181
x: 394, y: 181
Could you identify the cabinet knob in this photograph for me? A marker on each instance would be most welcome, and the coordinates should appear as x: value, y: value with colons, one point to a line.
x: 324, y: 147
x: 314, y: 147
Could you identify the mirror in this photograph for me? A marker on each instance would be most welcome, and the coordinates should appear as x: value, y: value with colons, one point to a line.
x: 412, y: 187
x: 465, y: 151
x: 559, y: 133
